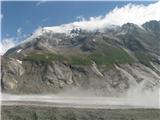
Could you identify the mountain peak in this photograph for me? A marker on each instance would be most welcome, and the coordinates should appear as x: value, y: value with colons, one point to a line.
x: 152, y: 25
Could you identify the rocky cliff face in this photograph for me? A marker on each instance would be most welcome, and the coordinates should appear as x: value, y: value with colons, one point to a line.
x: 103, y: 63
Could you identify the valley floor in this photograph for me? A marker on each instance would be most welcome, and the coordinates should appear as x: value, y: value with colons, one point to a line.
x: 21, y: 112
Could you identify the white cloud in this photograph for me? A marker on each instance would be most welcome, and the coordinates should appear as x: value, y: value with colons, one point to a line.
x: 6, y: 44
x: 81, y: 18
x: 45, y: 19
x: 1, y: 16
x: 9, y: 42
x: 20, y: 35
x: 137, y: 14
x: 41, y: 2
x: 19, y: 31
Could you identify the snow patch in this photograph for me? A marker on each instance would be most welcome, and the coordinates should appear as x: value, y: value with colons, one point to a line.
x: 19, y: 50
x: 19, y: 61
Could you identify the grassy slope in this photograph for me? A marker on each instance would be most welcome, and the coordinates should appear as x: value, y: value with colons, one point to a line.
x: 143, y: 58
x: 106, y: 56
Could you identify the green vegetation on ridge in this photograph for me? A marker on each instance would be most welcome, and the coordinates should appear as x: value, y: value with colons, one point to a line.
x: 111, y: 56
x: 144, y: 59
x: 48, y: 57
x: 107, y: 56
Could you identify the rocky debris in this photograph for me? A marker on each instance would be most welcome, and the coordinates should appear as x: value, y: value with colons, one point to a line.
x: 12, y: 72
x: 95, y: 69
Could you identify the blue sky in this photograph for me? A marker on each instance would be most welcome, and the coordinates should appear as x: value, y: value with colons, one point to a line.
x: 22, y: 18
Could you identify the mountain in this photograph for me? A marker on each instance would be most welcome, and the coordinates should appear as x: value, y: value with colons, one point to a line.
x: 107, y: 63
x: 153, y: 26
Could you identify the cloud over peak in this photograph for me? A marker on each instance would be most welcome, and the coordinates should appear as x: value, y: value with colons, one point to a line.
x: 5, y: 44
x: 137, y: 14
x: 132, y: 13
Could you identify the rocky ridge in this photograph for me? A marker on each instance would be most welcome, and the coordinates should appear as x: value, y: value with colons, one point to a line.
x: 107, y: 63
